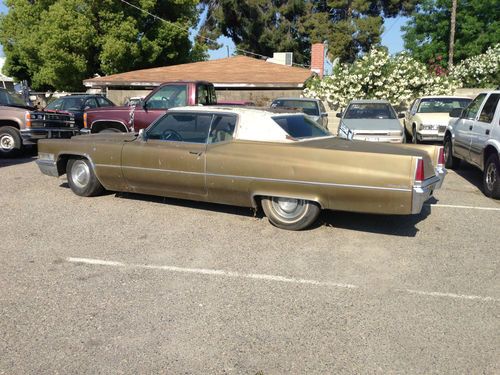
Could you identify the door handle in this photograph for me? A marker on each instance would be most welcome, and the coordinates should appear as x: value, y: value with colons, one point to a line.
x: 197, y: 153
x: 470, y: 127
x: 487, y: 132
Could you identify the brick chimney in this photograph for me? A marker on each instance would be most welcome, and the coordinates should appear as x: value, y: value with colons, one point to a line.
x: 318, y: 58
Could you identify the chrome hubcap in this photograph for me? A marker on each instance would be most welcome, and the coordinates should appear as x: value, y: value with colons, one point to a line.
x: 7, y: 142
x: 491, y: 176
x: 288, y: 208
x: 80, y: 174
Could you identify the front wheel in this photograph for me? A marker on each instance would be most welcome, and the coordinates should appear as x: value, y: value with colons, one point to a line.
x: 491, y: 179
x: 10, y: 141
x: 82, y: 179
x: 290, y: 213
x: 449, y: 160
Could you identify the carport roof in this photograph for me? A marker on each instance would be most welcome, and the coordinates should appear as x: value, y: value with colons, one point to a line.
x: 237, y: 71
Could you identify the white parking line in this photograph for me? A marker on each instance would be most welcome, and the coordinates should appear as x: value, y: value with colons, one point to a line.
x: 465, y: 207
x: 275, y: 278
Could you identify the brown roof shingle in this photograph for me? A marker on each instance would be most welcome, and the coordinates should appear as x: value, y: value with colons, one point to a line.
x: 232, y: 71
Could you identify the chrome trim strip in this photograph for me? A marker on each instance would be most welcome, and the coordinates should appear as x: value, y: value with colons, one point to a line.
x: 265, y: 179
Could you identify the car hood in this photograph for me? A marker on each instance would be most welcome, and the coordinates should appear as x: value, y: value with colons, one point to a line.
x: 357, y: 125
x: 434, y: 118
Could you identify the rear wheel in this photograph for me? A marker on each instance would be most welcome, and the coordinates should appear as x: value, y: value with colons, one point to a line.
x: 449, y: 160
x: 82, y: 179
x: 290, y: 213
x: 491, y: 178
x: 10, y: 141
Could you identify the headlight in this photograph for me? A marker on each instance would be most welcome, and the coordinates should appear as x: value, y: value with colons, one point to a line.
x: 46, y: 156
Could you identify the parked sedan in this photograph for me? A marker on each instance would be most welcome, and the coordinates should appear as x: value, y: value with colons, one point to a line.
x: 428, y: 117
x: 371, y: 120
x: 77, y: 104
x: 312, y: 107
x: 284, y: 162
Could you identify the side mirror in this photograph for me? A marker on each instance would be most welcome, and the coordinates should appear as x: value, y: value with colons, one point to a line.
x: 324, y: 114
x: 86, y: 107
x: 339, y: 114
x: 456, y: 112
x: 401, y: 115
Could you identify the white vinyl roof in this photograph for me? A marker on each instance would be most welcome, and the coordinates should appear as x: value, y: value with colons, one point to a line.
x: 253, y: 124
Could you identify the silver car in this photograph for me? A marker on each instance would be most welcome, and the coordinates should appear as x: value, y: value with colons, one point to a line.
x: 371, y: 120
x: 314, y: 108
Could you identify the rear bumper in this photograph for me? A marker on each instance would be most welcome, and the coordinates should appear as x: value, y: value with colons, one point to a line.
x: 430, y: 135
x: 441, y: 174
x: 379, y: 138
x: 422, y: 193
x: 48, y: 167
x: 32, y: 135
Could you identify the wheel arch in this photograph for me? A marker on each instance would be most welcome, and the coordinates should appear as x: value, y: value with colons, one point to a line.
x: 257, y: 196
x: 100, y: 125
x: 488, y: 151
x: 11, y: 123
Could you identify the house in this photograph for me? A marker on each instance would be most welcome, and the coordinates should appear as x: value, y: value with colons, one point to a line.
x: 237, y: 78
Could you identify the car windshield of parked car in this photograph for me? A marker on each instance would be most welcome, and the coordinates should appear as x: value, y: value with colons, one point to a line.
x: 6, y: 98
x: 168, y: 97
x: 300, y: 126
x: 441, y: 105
x: 369, y: 111
x: 55, y: 105
x: 308, y: 107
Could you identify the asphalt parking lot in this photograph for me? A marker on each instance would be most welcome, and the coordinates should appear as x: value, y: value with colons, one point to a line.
x: 133, y: 284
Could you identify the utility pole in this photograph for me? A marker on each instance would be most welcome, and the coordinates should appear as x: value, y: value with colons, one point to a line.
x: 452, y: 33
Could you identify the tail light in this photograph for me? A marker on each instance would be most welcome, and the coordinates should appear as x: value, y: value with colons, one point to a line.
x: 85, y: 120
x: 440, y: 162
x: 419, y: 171
x: 27, y: 117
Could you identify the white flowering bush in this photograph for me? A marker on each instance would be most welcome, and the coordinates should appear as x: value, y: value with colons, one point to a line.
x: 376, y: 75
x: 479, y: 71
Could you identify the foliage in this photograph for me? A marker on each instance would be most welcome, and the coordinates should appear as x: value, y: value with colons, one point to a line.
x: 479, y: 71
x: 55, y: 44
x: 264, y: 27
x: 377, y: 75
x: 426, y: 35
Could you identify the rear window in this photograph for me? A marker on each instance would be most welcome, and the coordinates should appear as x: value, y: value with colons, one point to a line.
x: 300, y: 126
x: 308, y: 107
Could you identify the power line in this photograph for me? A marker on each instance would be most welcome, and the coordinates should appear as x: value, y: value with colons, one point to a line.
x: 187, y: 29
x: 389, y: 29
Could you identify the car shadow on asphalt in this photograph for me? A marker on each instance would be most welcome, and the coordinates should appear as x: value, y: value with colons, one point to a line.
x: 7, y: 162
x: 470, y: 173
x: 397, y: 225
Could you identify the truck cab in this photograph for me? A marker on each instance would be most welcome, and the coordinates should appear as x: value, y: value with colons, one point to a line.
x: 140, y: 116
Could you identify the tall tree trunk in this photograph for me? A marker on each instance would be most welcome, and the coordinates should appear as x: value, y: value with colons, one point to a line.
x: 451, y: 49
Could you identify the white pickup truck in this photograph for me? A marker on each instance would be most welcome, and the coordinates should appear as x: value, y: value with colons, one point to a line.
x: 473, y: 135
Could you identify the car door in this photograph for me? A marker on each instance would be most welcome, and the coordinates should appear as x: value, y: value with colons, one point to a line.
x: 409, y: 115
x: 169, y: 159
x: 463, y: 128
x: 156, y: 104
x: 482, y: 128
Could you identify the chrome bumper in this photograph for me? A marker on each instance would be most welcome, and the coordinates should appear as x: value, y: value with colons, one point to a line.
x: 48, y: 167
x: 441, y: 174
x: 421, y: 193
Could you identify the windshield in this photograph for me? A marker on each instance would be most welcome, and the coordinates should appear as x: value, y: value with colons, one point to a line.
x: 300, y: 126
x: 370, y: 111
x: 309, y: 107
x: 442, y: 105
x: 6, y: 98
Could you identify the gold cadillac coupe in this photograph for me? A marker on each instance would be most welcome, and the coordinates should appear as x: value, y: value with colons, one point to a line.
x: 283, y: 162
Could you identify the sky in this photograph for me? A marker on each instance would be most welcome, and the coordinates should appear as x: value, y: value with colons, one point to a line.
x: 391, y: 38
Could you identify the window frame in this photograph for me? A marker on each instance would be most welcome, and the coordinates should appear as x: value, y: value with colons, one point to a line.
x: 494, y: 108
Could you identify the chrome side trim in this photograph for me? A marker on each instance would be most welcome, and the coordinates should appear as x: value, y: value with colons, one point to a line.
x: 264, y: 179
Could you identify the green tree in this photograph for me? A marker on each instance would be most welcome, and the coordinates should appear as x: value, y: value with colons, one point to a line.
x: 427, y: 33
x: 350, y: 27
x: 55, y: 44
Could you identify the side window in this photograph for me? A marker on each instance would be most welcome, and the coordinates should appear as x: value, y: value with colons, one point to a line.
x: 90, y: 103
x: 489, y: 108
x: 181, y: 127
x: 202, y: 95
x: 471, y: 111
x: 168, y: 97
x: 103, y: 102
x: 222, y: 128
x: 322, y: 107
